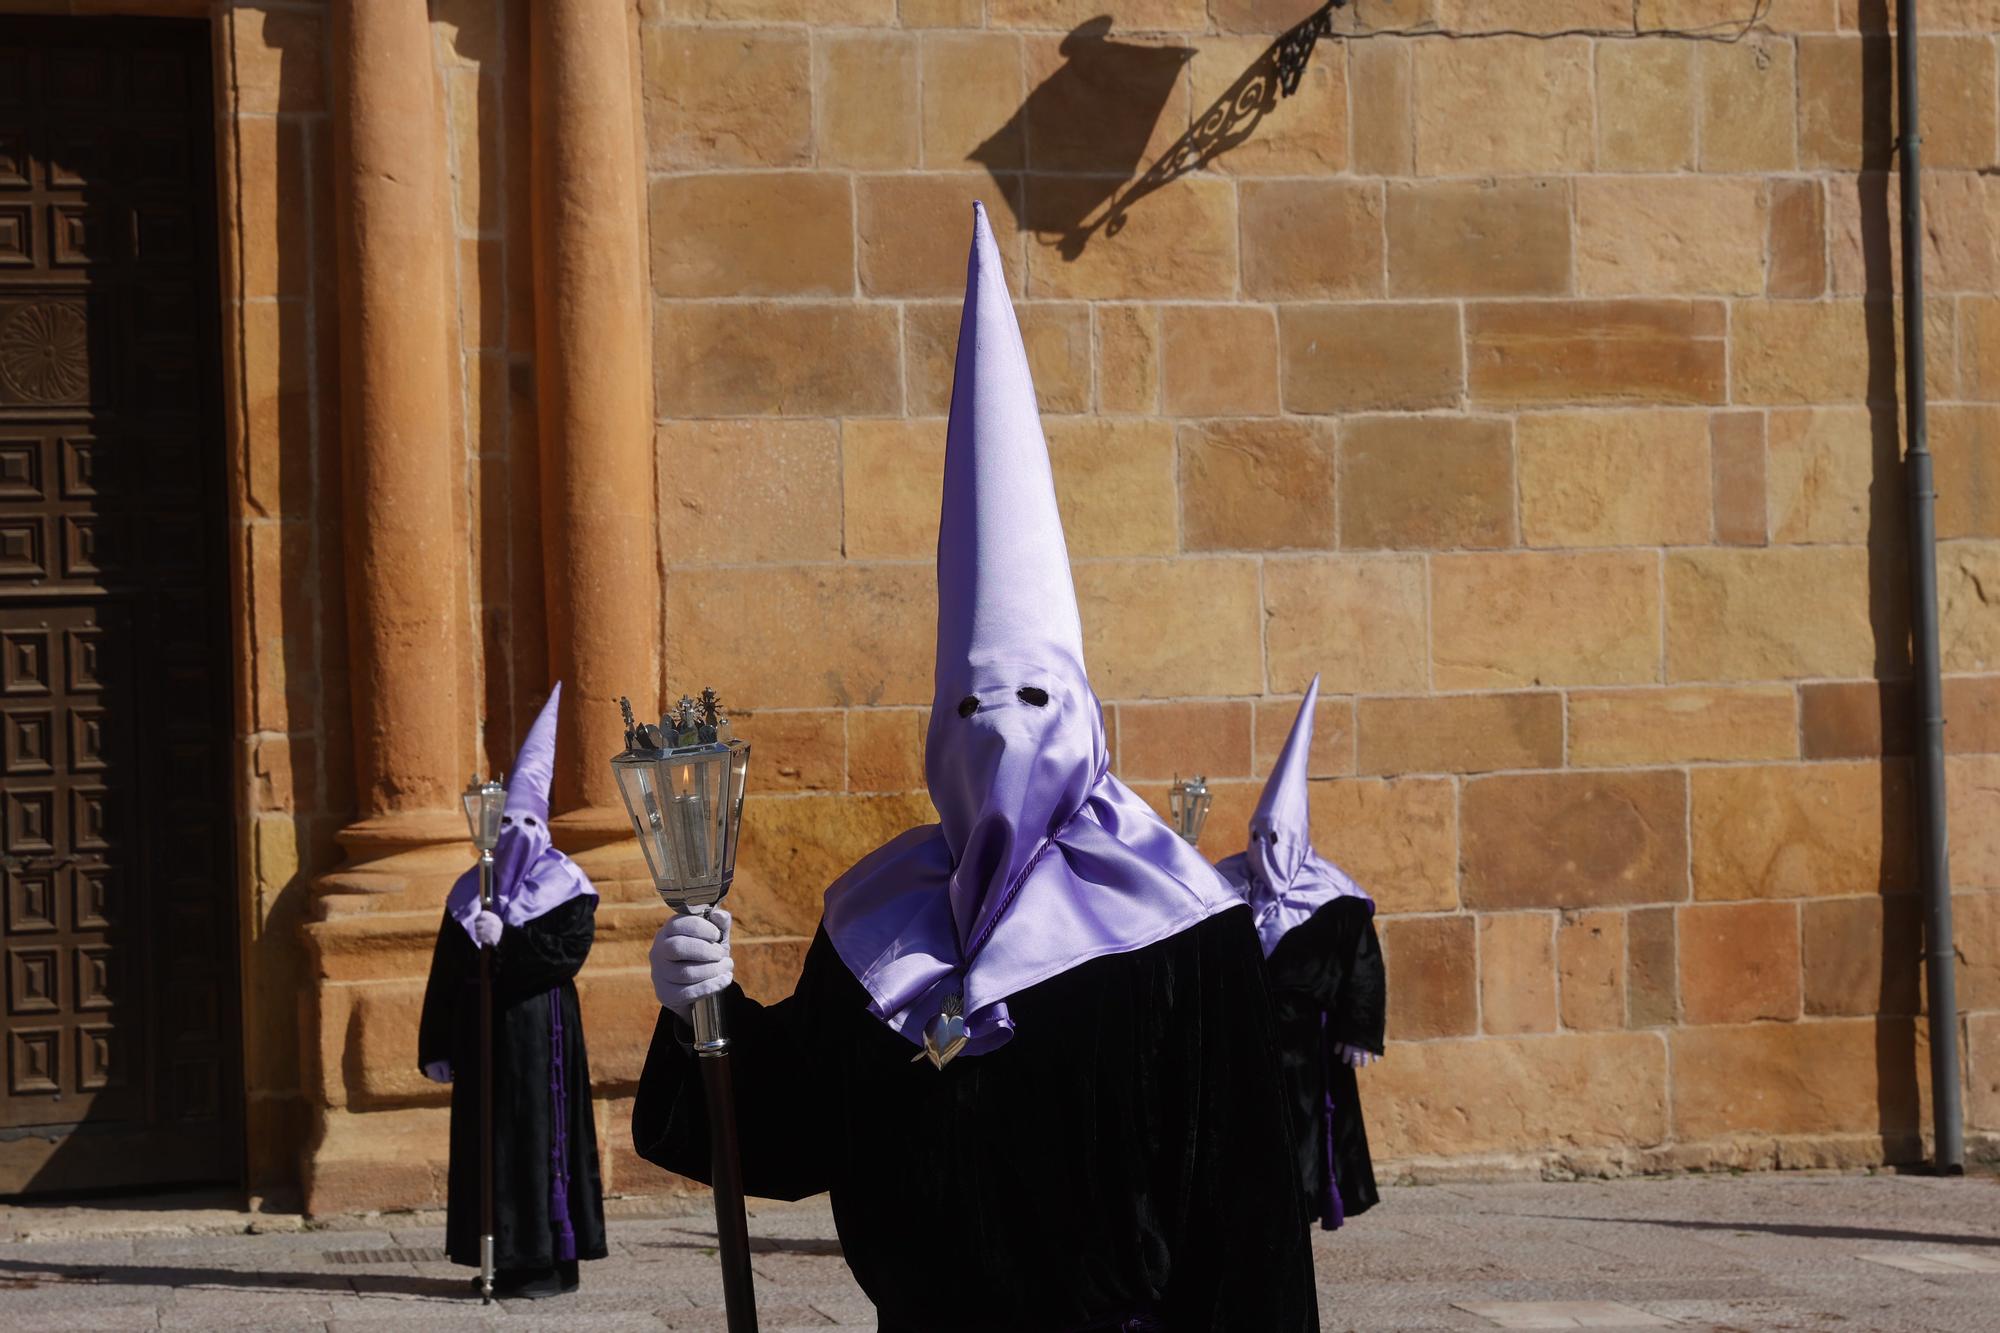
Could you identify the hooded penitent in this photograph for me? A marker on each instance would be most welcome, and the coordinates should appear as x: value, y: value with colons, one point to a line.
x: 1041, y: 859
x: 529, y: 875
x: 1282, y: 877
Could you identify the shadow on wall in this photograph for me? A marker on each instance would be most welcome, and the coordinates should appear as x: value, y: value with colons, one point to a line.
x: 1899, y: 1099
x: 1087, y: 126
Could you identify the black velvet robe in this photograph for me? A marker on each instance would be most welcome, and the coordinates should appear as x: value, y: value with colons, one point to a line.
x: 1328, y: 986
x: 533, y: 971
x: 1118, y: 1157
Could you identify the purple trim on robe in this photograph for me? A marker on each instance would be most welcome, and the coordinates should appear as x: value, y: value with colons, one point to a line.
x: 1332, y: 1212
x: 559, y: 1138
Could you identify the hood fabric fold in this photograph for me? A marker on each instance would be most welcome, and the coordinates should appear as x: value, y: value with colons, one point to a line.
x: 1041, y: 859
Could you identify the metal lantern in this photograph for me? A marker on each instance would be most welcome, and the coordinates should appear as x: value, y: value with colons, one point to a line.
x: 485, y: 800
x: 1188, y: 803
x: 683, y: 789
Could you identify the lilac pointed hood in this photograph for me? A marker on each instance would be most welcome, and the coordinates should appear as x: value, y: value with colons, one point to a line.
x: 1041, y: 859
x: 530, y: 876
x: 1282, y: 877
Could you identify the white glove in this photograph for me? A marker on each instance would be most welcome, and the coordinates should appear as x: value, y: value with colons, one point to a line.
x: 691, y: 959
x: 1357, y: 1057
x: 438, y: 1071
x: 486, y: 929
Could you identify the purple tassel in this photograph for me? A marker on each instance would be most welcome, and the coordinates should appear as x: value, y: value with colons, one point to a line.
x: 559, y: 1140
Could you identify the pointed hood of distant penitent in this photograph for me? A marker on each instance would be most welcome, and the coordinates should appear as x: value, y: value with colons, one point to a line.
x: 1279, y: 873
x: 530, y: 876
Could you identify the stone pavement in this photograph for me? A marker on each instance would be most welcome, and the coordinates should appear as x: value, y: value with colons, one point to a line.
x: 1853, y: 1252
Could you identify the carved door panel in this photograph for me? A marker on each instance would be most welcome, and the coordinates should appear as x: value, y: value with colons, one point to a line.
x: 116, y: 888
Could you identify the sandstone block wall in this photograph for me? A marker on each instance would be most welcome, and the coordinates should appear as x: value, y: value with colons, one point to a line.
x: 1539, y: 391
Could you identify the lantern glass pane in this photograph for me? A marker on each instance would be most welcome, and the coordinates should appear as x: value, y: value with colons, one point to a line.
x: 473, y: 807
x: 645, y: 805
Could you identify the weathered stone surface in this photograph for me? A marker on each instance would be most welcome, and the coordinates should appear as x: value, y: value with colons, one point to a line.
x: 1955, y: 116
x: 882, y: 654
x: 844, y: 12
x: 1177, y: 242
x: 1653, y: 235
x: 1972, y: 786
x: 1768, y: 615
x: 739, y: 97
x: 1305, y: 134
x: 1384, y: 135
x: 1479, y: 238
x: 1590, y: 953
x: 1154, y: 631
x: 1645, y: 119
x: 1257, y: 485
x: 1982, y: 1074
x: 1975, y: 932
x: 1391, y: 358
x: 1508, y: 105
x: 1531, y: 16
x: 1399, y: 839
x: 1801, y: 830
x: 1857, y: 719
x: 1979, y: 328
x: 1220, y: 360
x: 791, y: 359
x: 1863, y: 956
x: 1969, y: 605
x: 1837, y: 77
x: 868, y: 101
x: 1736, y: 457
x: 1965, y: 442
x: 1432, y: 971
x: 1616, y: 728
x: 1426, y: 483
x: 797, y: 751
x: 891, y: 473
x: 914, y: 230
x: 1162, y: 741
x: 1459, y: 733
x: 1114, y: 484
x: 1748, y: 101
x: 1056, y: 335
x: 1331, y: 754
x: 276, y: 61
x: 1828, y: 475
x: 1961, y: 235
x: 1517, y: 973
x: 1356, y: 620
x: 1524, y: 353
x: 1454, y: 1099
x: 1128, y: 358
x: 1827, y: 1076
x: 773, y: 509
x: 1652, y: 969
x: 1311, y: 238
x: 1798, y: 239
x: 1809, y: 352
x: 1972, y: 714
x: 1574, y: 839
x: 885, y: 749
x: 973, y: 87
x: 795, y: 845
x: 1739, y: 962
x: 1585, y: 618
x: 1061, y: 15
x: 779, y: 233
x: 1626, y: 478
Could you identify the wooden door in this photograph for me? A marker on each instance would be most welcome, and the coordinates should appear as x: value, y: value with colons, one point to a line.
x: 117, y: 925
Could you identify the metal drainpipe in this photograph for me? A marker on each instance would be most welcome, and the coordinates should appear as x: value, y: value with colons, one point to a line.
x: 1947, y: 1105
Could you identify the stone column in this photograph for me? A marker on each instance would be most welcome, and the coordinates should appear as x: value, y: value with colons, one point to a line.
x: 594, y: 378
x: 396, y: 308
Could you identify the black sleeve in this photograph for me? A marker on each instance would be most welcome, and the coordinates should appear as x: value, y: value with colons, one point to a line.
x: 448, y: 962
x: 550, y: 949
x: 781, y: 1097
x: 1244, y: 1264
x: 1359, y: 1016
